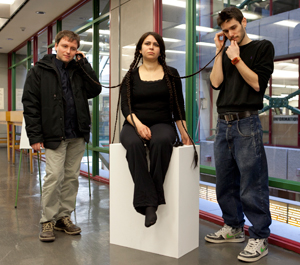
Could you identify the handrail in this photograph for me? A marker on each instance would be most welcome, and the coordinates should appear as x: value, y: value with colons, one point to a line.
x: 285, y: 184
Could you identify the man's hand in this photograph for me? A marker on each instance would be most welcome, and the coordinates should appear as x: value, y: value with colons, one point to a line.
x: 233, y: 50
x: 219, y: 43
x: 37, y: 146
x: 79, y: 55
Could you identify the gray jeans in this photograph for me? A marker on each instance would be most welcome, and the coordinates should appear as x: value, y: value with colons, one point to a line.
x: 61, y: 181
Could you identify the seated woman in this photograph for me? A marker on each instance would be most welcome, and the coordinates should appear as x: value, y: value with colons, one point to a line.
x: 151, y: 100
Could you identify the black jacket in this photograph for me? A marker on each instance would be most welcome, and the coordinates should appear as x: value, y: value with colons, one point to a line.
x: 43, y: 100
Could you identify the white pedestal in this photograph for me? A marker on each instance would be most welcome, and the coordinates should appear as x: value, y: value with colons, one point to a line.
x: 176, y: 231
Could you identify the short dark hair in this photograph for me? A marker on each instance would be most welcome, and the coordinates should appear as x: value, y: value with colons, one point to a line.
x: 160, y: 42
x: 229, y: 13
x: 67, y: 34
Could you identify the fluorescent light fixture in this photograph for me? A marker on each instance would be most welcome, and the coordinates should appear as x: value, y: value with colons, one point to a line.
x: 288, y: 23
x: 285, y: 74
x: 174, y: 51
x: 292, y: 87
x: 9, y: 2
x: 290, y: 65
x: 170, y: 40
x: 205, y: 44
x: 86, y: 42
x: 104, y: 53
x: 253, y: 36
x: 277, y: 85
x: 250, y: 15
x: 101, y: 31
x: 174, y: 3
x: 129, y: 47
x: 198, y: 28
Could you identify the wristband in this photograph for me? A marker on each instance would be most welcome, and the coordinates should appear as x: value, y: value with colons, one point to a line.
x: 235, y: 60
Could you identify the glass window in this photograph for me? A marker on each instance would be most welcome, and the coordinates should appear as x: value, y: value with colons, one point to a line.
x: 285, y: 119
x: 42, y: 45
x: 21, y: 73
x: 283, y: 6
x: 104, y: 6
x: 174, y: 35
x: 104, y: 79
x: 78, y: 18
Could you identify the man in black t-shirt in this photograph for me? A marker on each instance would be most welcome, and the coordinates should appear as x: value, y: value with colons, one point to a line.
x: 241, y: 73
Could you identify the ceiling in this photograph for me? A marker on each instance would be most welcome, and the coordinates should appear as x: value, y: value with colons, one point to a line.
x: 27, y: 22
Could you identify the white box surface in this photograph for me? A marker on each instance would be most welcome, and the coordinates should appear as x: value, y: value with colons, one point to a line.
x: 176, y: 231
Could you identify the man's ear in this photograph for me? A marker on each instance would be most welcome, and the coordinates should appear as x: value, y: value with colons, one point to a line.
x: 244, y: 22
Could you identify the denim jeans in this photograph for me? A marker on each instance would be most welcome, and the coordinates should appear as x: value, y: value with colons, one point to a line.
x: 242, y: 175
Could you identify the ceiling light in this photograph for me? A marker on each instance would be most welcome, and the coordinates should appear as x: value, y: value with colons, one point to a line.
x: 198, y: 28
x: 86, y: 42
x: 174, y: 51
x: 9, y: 2
x: 174, y: 3
x: 277, y: 85
x: 170, y: 40
x: 205, y: 44
x: 129, y: 47
x: 291, y: 65
x: 285, y: 74
x: 101, y: 31
x: 288, y: 23
x: 293, y: 87
x: 250, y: 15
x: 253, y: 36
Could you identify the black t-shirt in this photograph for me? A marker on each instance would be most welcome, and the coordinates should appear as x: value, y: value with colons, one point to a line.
x: 235, y: 94
x: 150, y: 100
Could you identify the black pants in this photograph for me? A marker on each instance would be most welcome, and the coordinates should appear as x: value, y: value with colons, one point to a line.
x: 148, y: 188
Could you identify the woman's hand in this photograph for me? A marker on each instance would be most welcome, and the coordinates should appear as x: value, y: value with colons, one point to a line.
x: 182, y: 129
x: 185, y: 139
x: 144, y: 131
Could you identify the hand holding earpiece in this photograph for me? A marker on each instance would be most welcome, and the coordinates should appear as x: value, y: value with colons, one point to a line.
x: 79, y: 55
x: 219, y: 39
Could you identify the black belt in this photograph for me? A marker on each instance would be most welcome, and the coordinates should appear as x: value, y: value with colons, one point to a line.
x: 231, y: 116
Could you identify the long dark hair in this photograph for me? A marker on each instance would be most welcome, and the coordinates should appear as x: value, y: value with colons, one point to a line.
x: 170, y: 83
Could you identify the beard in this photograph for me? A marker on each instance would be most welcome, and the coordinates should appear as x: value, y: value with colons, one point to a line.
x: 242, y: 33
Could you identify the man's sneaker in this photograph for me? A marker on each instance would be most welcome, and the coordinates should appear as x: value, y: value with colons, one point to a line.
x: 255, y: 250
x: 227, y: 234
x: 46, y: 233
x: 65, y: 224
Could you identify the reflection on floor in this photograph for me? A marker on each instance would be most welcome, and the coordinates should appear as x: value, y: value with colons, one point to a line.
x: 19, y: 229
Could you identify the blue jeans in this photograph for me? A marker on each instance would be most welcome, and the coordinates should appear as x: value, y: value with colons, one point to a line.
x: 242, y: 175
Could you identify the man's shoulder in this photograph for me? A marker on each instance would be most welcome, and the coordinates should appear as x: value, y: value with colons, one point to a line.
x: 262, y: 43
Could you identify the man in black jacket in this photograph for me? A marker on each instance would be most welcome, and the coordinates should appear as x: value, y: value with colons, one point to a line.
x: 57, y: 118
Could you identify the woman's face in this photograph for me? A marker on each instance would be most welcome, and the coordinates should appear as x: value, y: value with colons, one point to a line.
x: 150, y: 49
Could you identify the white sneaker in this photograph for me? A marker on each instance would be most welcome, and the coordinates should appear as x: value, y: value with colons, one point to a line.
x: 227, y: 234
x: 255, y: 250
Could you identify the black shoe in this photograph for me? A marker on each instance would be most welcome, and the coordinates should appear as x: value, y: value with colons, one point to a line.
x: 65, y: 224
x: 47, y: 234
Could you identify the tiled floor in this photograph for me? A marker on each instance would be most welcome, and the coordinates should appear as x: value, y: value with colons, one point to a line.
x: 19, y: 228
